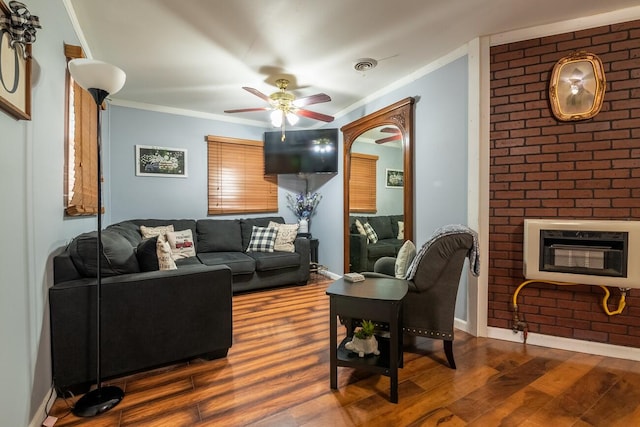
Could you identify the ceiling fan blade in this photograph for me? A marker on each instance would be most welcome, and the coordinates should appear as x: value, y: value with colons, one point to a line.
x: 313, y: 115
x: 389, y: 139
x: 390, y: 130
x: 257, y: 93
x: 312, y: 99
x: 246, y: 110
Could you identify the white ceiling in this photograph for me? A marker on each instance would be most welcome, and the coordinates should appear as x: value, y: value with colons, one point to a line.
x: 196, y: 55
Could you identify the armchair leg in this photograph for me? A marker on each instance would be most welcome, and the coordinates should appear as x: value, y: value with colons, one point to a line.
x: 448, y: 351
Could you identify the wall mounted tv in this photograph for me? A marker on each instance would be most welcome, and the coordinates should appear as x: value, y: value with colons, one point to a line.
x: 301, y: 152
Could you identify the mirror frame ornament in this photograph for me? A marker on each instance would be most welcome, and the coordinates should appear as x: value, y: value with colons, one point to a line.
x: 399, y: 114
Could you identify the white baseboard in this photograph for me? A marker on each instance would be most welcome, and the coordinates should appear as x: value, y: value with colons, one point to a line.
x: 37, y: 419
x: 330, y: 274
x: 589, y: 347
x: 461, y: 325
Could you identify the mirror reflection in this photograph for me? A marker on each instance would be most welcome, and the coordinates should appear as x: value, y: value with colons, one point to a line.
x: 378, y: 185
x: 376, y: 196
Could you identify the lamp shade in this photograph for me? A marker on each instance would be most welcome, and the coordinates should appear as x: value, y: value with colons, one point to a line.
x: 93, y: 74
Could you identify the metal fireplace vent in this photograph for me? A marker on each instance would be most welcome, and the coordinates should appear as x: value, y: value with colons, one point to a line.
x: 591, y: 252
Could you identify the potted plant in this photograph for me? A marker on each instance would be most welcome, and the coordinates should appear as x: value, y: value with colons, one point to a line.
x: 364, y: 341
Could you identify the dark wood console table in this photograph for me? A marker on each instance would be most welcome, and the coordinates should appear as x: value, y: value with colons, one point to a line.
x: 377, y: 299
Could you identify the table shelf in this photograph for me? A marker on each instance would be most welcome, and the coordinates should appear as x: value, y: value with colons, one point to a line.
x: 371, y: 362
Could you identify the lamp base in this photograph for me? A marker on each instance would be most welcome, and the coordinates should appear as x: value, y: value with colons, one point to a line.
x: 98, y: 401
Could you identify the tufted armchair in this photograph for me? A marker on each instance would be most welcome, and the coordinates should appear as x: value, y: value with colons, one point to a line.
x: 429, y: 307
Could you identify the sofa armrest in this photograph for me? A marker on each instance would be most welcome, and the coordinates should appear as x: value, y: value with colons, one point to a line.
x: 357, y: 252
x: 148, y: 319
x: 303, y: 247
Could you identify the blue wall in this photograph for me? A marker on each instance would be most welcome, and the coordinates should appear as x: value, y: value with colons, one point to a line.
x: 440, y: 163
x: 31, y: 190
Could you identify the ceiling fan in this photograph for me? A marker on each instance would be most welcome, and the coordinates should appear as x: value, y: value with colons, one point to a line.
x: 285, y: 106
x: 397, y: 135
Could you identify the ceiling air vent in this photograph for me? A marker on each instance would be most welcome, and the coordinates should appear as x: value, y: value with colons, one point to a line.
x: 365, y: 64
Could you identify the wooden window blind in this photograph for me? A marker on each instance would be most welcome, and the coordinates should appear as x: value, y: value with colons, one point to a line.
x: 81, y: 129
x: 362, y: 183
x: 236, y: 180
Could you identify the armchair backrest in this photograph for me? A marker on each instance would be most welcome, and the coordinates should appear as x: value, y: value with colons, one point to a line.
x: 441, y: 265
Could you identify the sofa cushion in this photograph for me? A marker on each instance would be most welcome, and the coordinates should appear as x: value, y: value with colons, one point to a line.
x: 178, y: 224
x: 380, y: 249
x: 238, y: 262
x: 372, y: 236
x: 118, y: 255
x: 262, y: 239
x: 181, y: 242
x: 266, y: 261
x: 165, y: 260
x: 395, y: 225
x: 129, y: 230
x: 360, y: 227
x: 146, y: 253
x: 382, y: 226
x: 155, y: 231
x: 247, y: 224
x: 219, y: 235
x: 405, y: 255
x: 285, y: 237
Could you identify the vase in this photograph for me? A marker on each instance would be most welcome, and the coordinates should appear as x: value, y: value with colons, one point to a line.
x: 303, y: 225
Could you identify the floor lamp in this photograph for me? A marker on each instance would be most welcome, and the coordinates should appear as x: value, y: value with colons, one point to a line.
x: 100, y: 80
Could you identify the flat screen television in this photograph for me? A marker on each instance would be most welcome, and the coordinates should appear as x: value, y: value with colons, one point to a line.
x: 302, y: 151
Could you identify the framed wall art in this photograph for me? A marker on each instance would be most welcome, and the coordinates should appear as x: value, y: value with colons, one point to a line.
x: 577, y: 86
x: 15, y: 70
x: 395, y: 178
x: 160, y: 161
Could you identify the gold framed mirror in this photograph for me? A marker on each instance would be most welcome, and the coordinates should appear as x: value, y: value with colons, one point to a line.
x: 577, y: 86
x: 397, y: 121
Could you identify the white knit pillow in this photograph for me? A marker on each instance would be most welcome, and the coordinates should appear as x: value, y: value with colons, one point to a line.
x: 405, y: 255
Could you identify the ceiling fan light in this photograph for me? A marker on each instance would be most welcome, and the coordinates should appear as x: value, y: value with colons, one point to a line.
x: 292, y: 118
x: 276, y: 118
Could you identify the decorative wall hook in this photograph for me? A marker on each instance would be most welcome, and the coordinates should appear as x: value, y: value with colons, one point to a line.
x: 20, y: 25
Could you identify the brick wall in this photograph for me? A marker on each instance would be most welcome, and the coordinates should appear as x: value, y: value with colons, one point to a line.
x: 544, y: 168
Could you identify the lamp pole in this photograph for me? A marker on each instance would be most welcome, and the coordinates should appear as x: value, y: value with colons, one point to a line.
x: 99, y: 79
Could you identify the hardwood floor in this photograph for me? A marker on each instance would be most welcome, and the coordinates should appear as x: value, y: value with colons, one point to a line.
x: 277, y: 374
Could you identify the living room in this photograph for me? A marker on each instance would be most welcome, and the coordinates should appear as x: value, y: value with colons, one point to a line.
x: 451, y: 121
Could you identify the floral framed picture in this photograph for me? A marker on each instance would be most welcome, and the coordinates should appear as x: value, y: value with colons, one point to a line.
x: 395, y: 178
x: 161, y: 161
x: 577, y: 86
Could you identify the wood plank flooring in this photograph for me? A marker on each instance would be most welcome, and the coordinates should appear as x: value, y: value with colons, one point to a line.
x: 277, y: 374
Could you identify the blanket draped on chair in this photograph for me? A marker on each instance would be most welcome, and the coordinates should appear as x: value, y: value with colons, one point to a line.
x: 473, y: 255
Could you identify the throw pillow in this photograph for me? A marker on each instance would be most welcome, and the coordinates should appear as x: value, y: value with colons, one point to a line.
x: 147, y: 254
x: 370, y: 232
x: 285, y: 237
x: 262, y: 239
x: 400, y: 230
x: 163, y: 250
x: 360, y: 228
x: 181, y: 243
x: 405, y: 255
x: 155, y: 231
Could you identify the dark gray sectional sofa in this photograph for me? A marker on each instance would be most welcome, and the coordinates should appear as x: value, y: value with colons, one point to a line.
x: 150, y: 317
x: 364, y: 254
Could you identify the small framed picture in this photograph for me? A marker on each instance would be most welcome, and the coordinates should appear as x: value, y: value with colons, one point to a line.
x: 395, y: 178
x: 161, y: 161
x: 577, y: 86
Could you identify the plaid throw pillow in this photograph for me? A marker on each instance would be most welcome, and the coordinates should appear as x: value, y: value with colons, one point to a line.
x: 371, y: 233
x: 262, y: 239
